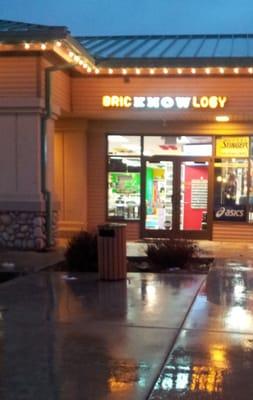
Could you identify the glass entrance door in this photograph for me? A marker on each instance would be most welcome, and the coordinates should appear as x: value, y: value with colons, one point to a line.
x: 159, y: 195
x: 176, y: 197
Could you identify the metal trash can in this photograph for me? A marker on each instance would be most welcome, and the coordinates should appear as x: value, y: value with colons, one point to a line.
x: 112, y: 251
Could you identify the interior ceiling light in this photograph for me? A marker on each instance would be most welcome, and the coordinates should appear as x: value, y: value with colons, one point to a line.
x: 193, y: 70
x: 27, y: 46
x: 43, y: 46
x: 236, y: 70
x: 222, y: 118
x: 179, y: 70
x: 137, y: 71
x: 207, y: 71
x: 222, y: 70
x: 124, y: 71
x: 165, y: 70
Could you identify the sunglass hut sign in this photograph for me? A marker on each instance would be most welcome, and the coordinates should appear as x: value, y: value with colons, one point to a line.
x: 166, y: 102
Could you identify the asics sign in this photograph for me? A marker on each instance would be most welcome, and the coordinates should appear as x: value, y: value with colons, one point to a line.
x: 235, y: 213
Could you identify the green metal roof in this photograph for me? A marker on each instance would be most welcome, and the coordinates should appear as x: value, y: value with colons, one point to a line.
x: 174, y: 50
x: 11, y: 31
x: 142, y: 50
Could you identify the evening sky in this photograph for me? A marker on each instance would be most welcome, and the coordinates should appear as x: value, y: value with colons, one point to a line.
x: 112, y: 17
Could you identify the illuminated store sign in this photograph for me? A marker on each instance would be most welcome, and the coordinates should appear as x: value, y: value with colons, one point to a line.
x: 232, y: 147
x: 166, y: 102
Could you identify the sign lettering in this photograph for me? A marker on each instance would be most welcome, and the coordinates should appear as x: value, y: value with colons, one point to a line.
x: 230, y: 213
x: 232, y: 147
x: 166, y: 102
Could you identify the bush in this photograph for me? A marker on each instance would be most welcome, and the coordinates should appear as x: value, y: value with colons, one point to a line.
x: 171, y: 253
x: 81, y: 253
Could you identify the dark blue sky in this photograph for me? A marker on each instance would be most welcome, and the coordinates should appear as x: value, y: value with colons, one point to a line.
x: 109, y: 17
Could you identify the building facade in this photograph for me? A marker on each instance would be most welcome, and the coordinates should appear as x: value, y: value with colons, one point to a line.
x: 153, y: 131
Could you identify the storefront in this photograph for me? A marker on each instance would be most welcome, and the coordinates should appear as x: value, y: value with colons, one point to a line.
x: 152, y: 131
x: 178, y: 186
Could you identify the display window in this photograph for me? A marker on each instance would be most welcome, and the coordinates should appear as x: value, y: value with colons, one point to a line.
x: 231, y: 189
x: 231, y: 179
x: 124, y: 188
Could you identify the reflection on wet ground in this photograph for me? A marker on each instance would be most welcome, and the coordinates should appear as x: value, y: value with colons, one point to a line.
x: 74, y: 337
x: 213, y: 355
x: 213, y: 366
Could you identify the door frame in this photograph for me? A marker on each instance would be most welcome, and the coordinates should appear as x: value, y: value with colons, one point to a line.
x: 176, y: 232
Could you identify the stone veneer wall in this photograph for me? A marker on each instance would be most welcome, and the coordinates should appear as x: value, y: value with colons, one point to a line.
x: 25, y: 230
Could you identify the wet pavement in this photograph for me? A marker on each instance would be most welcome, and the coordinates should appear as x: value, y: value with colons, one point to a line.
x: 74, y: 337
x: 213, y: 354
x: 153, y: 336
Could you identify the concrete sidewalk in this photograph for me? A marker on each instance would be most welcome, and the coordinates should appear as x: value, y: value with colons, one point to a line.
x: 30, y: 261
x: 153, y: 336
x: 26, y: 262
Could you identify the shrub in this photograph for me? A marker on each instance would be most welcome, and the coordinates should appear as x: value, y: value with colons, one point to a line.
x: 81, y: 253
x: 169, y: 253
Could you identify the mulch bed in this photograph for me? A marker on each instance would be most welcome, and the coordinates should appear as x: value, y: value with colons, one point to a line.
x: 197, y: 266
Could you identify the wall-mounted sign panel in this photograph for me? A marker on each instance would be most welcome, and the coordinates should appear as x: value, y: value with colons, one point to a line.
x: 232, y: 147
x: 166, y: 102
x: 230, y: 213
